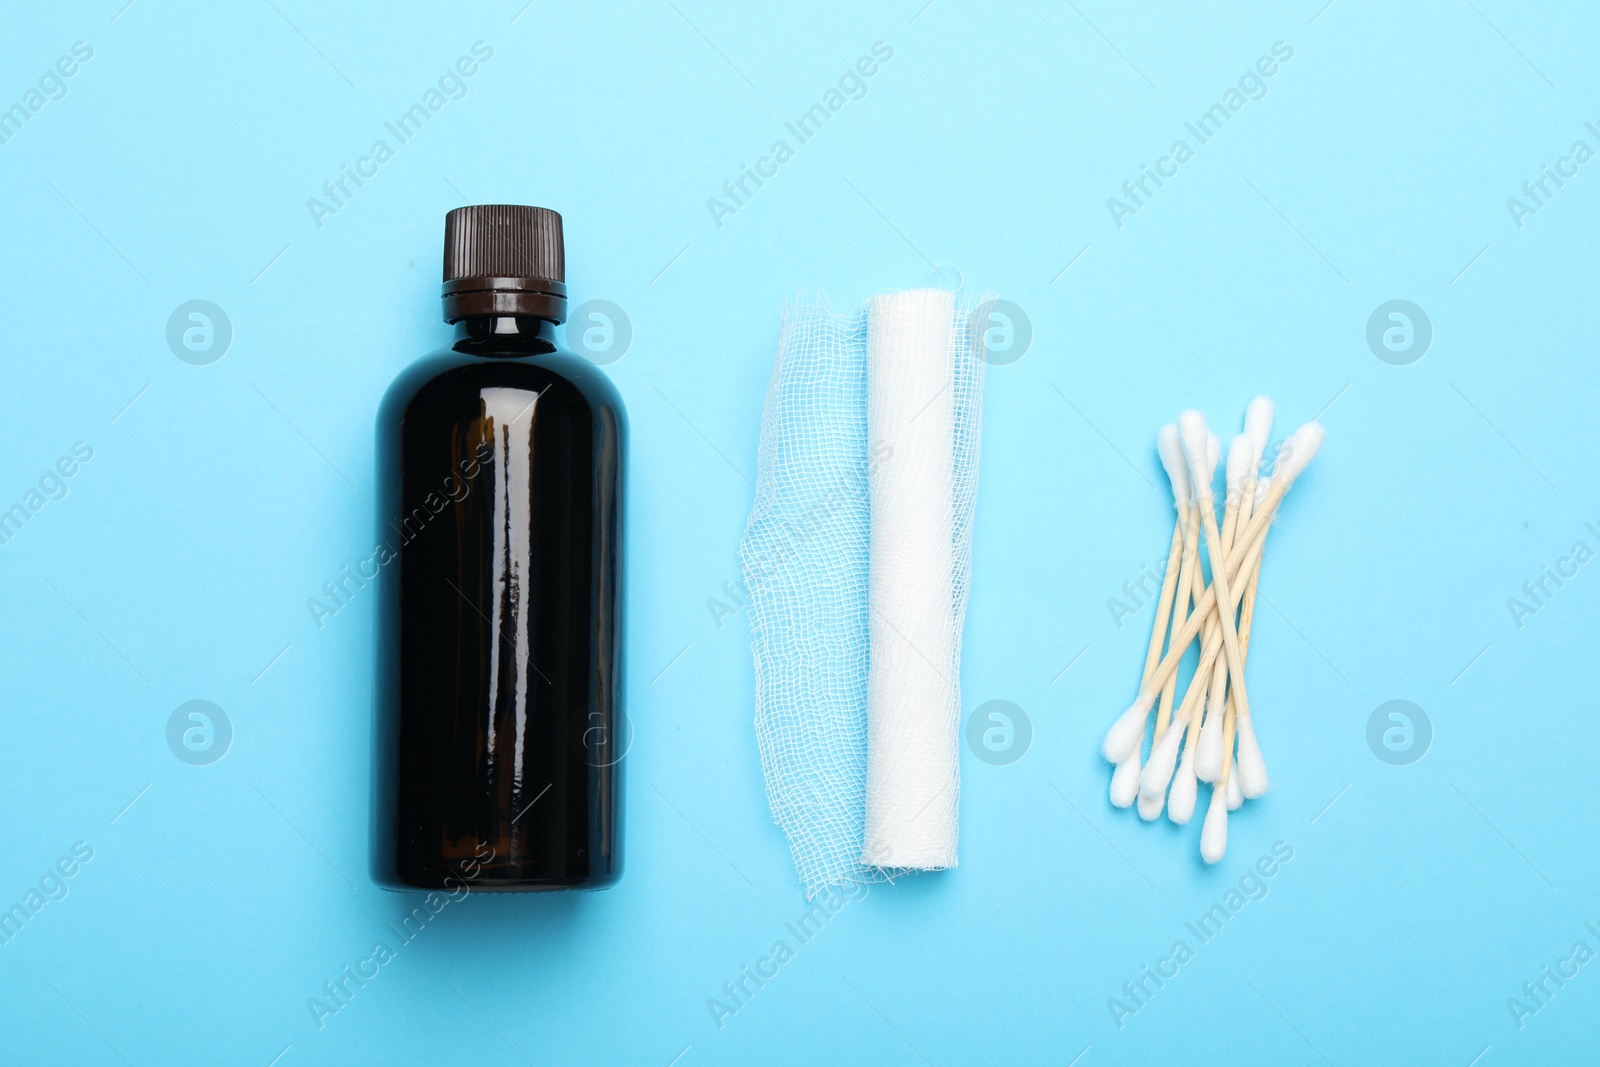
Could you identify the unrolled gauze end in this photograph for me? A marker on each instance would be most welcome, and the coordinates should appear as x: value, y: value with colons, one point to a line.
x: 1127, y: 733
x: 1214, y: 833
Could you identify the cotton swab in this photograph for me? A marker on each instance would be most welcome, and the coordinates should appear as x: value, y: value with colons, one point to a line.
x: 1226, y: 796
x: 1214, y: 834
x: 1214, y: 831
x: 1252, y: 776
x: 1163, y: 756
x: 1128, y: 732
x: 1171, y: 453
x: 1257, y: 428
x: 1229, y: 793
x: 1190, y: 582
x: 1124, y: 781
x: 1208, y: 761
x: 1293, y: 458
x: 1181, y: 798
x: 1164, y: 748
x: 1180, y: 801
x: 1192, y: 428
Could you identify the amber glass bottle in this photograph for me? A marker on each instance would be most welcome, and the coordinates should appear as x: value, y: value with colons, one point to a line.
x: 499, y: 725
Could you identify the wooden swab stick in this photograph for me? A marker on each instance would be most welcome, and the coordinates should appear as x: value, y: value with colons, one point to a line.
x: 1190, y: 585
x: 1208, y: 751
x: 1192, y: 428
x: 1171, y: 452
x: 1125, y: 780
x: 1293, y: 458
x: 1214, y: 833
x: 1252, y: 769
x: 1158, y: 772
x: 1257, y: 428
x: 1128, y: 730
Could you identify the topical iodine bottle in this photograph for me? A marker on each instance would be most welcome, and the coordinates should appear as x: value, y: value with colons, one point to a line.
x: 499, y: 726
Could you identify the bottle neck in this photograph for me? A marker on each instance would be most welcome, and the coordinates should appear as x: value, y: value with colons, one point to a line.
x: 505, y: 335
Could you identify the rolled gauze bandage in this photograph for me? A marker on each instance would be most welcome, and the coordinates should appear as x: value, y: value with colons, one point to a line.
x: 916, y: 580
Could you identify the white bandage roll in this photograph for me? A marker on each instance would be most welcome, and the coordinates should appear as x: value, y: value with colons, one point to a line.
x: 914, y: 604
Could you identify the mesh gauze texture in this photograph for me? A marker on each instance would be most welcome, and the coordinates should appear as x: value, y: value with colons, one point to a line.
x: 807, y: 556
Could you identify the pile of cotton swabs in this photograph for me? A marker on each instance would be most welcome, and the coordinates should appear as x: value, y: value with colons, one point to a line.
x: 1214, y: 714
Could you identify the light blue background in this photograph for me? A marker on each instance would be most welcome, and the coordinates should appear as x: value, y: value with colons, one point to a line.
x: 180, y: 562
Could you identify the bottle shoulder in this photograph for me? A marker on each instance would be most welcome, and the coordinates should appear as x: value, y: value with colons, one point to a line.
x: 448, y: 371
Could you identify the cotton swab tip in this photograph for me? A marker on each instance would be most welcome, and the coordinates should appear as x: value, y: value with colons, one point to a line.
x: 1163, y: 758
x: 1180, y: 800
x: 1170, y: 449
x: 1127, y: 733
x: 1214, y: 833
x: 1196, y: 443
x: 1258, y: 426
x: 1239, y: 467
x: 1252, y: 768
x: 1125, y: 781
x: 1235, y: 794
x: 1150, y: 806
x: 1208, y: 761
x: 1298, y: 452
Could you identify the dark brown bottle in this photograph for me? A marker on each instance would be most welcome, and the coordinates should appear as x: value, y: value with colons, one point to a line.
x: 499, y: 725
